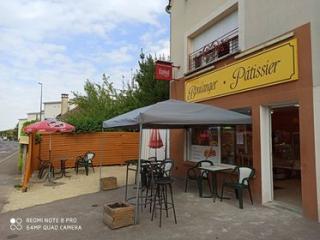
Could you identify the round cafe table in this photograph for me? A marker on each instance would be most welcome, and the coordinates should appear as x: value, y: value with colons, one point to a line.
x: 63, y: 168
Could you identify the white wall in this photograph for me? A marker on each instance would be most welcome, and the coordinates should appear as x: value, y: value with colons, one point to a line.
x: 266, y: 155
x: 264, y: 20
x: 316, y: 111
x: 225, y: 25
x: 51, y: 110
x: 187, y: 15
x: 32, y: 116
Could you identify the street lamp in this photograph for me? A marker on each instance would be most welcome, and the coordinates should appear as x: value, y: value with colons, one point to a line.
x: 40, y: 83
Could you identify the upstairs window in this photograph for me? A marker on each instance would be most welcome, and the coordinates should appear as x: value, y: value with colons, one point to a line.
x: 219, y: 40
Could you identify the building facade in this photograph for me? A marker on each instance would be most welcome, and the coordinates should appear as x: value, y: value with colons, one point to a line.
x: 32, y: 116
x: 55, y: 108
x: 52, y: 109
x: 258, y: 58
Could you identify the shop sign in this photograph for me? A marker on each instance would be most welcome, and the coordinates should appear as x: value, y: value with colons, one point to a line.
x: 275, y: 65
x: 163, y: 70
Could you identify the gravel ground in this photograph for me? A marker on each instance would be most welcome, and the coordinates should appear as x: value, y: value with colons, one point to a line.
x: 77, y: 184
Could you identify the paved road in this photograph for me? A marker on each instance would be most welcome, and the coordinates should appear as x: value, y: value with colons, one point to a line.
x: 8, y: 157
x: 9, y: 175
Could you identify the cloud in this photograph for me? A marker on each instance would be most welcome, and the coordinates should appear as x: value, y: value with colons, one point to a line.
x: 40, y: 19
x: 63, y: 43
x: 156, y: 43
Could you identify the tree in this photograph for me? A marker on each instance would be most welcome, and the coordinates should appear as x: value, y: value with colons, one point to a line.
x: 98, y: 103
x: 11, y: 134
x: 150, y: 90
x: 103, y: 101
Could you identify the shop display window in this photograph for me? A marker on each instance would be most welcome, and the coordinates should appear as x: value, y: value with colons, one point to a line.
x: 228, y: 144
x: 204, y: 144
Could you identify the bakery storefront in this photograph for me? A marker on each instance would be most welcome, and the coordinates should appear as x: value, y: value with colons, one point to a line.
x: 273, y: 84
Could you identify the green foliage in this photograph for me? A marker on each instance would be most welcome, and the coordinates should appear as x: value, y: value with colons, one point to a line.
x: 20, y: 158
x: 150, y: 90
x: 11, y: 134
x: 22, y: 133
x: 103, y: 101
x: 38, y: 137
x: 97, y: 104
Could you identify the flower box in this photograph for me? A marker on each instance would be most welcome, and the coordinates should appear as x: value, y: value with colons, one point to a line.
x: 118, y: 215
x: 108, y: 183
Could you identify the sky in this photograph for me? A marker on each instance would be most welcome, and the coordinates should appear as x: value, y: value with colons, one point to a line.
x: 62, y: 43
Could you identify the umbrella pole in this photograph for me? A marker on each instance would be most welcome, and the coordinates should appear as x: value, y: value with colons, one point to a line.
x: 166, y: 147
x: 100, y: 170
x: 136, y: 220
x: 155, y: 149
x: 49, y: 174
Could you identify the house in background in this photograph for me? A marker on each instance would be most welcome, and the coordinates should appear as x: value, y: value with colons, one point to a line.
x: 34, y: 116
x: 52, y: 109
x: 57, y: 108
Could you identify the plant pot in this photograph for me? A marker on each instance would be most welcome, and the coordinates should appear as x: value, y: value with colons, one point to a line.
x: 108, y: 183
x: 118, y: 215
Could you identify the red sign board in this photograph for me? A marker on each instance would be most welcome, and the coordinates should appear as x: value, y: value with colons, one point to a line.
x: 163, y: 70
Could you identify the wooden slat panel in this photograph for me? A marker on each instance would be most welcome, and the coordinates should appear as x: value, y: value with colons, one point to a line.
x: 110, y: 147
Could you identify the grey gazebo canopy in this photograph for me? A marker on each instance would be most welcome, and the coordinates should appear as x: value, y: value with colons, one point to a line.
x: 176, y: 114
x: 173, y: 114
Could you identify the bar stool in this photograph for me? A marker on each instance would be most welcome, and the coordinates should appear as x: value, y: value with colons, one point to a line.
x: 160, y: 198
x: 152, y: 172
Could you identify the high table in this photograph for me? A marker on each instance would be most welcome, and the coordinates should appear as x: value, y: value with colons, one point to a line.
x: 63, y: 168
x: 213, y: 170
x: 134, y: 164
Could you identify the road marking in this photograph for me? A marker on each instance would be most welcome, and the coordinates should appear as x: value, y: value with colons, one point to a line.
x: 8, y: 157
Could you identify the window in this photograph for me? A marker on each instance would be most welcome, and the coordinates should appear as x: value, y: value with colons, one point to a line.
x: 227, y: 144
x: 236, y: 145
x: 205, y: 144
x: 220, y: 40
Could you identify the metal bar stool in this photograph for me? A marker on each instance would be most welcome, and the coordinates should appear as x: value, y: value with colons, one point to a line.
x: 161, y: 198
x: 163, y: 181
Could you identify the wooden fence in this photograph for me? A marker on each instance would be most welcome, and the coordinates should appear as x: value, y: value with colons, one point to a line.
x: 110, y: 147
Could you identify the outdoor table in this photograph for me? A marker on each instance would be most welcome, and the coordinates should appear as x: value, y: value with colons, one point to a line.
x: 63, y: 168
x: 134, y: 162
x: 131, y: 162
x: 213, y: 170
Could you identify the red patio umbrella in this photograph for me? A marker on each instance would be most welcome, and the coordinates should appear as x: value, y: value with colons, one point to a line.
x: 155, y: 140
x: 46, y: 126
x: 49, y: 126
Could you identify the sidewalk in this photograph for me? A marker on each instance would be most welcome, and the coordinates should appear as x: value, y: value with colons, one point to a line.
x: 198, y: 218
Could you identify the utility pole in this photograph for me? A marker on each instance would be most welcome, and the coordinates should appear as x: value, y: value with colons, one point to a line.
x: 40, y: 83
